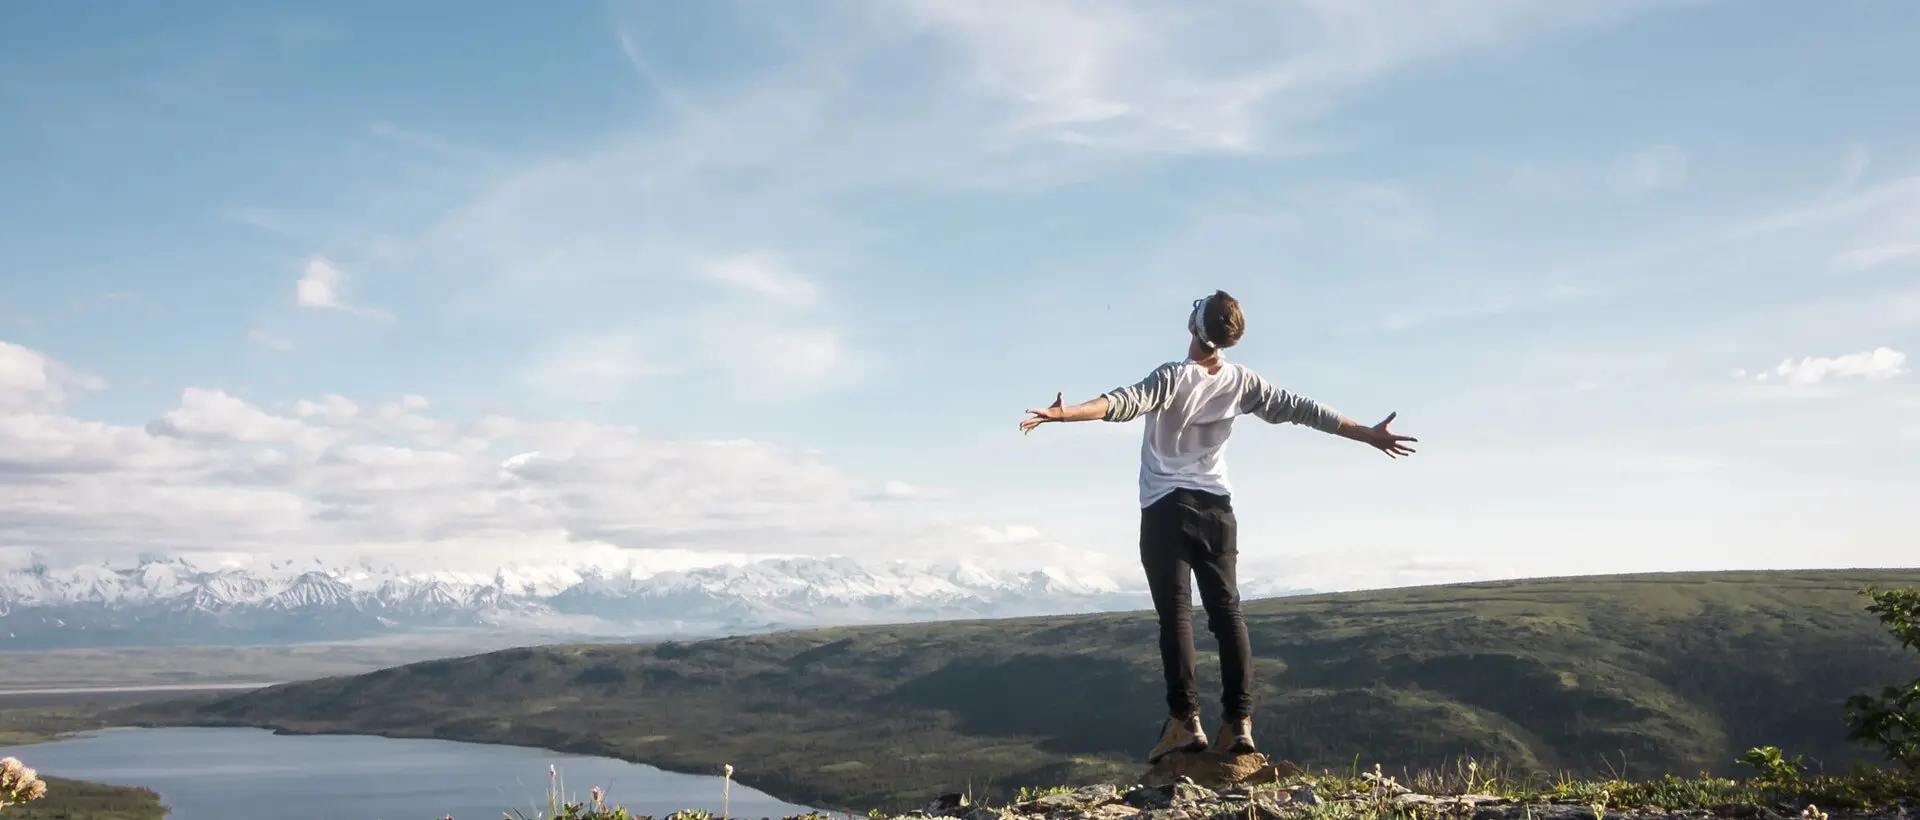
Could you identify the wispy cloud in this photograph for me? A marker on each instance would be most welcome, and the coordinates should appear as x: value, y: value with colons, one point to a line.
x: 1869, y: 365
x: 765, y: 276
x: 596, y: 367
x: 1156, y: 77
x: 1650, y: 169
x: 1853, y: 168
x: 269, y: 341
x: 1877, y: 256
x: 1562, y: 291
x: 672, y: 95
x: 1822, y: 211
x: 435, y: 145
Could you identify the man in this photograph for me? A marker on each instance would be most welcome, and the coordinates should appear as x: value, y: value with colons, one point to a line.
x: 1187, y: 526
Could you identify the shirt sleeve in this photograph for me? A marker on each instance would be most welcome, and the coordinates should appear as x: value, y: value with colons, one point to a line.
x: 1145, y: 396
x: 1275, y: 406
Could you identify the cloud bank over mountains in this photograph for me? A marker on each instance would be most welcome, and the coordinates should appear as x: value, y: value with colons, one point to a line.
x: 343, y: 480
x: 169, y: 601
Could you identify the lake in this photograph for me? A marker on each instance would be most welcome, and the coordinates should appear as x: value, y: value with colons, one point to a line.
x: 245, y: 774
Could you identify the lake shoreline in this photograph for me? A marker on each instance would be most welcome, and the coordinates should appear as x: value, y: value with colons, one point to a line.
x: 442, y: 770
x: 579, y: 749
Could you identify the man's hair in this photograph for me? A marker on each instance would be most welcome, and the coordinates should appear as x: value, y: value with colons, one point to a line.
x: 1224, y: 322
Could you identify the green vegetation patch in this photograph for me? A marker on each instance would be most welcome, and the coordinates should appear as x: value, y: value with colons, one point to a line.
x: 81, y: 800
x: 1605, y: 678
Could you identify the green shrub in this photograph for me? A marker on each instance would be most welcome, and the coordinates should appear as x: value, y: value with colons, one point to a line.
x: 1771, y: 765
x: 1891, y: 720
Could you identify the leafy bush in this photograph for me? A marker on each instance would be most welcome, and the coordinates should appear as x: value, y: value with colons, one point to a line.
x: 1772, y: 766
x: 1891, y: 721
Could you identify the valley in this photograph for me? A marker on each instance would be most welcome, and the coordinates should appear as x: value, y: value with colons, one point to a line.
x: 1637, y: 675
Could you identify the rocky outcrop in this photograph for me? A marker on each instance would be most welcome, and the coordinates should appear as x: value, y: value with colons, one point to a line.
x: 1216, y: 770
x: 1189, y: 801
x: 1212, y: 786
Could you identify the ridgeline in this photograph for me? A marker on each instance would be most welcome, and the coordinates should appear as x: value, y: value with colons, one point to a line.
x: 1633, y: 676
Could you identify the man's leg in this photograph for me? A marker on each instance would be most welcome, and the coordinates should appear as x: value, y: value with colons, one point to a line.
x: 1163, y: 554
x: 1216, y: 573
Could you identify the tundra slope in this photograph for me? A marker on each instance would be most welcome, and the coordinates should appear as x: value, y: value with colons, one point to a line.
x: 1651, y: 674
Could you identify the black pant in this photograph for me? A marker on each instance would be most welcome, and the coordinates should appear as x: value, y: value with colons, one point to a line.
x: 1193, y: 533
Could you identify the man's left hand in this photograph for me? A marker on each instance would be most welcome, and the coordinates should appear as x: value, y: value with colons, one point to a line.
x: 1042, y: 415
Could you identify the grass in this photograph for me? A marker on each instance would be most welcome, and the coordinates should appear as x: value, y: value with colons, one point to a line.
x: 1862, y: 789
x: 1606, y: 679
x: 22, y: 727
x: 187, y: 665
x: 1373, y: 795
x: 81, y: 800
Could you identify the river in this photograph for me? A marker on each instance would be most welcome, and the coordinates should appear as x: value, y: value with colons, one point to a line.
x: 245, y: 774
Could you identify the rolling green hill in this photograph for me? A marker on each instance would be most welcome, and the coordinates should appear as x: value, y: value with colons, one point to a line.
x: 1650, y: 673
x: 81, y: 800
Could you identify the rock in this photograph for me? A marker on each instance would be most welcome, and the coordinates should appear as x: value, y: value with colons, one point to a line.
x: 1269, y: 807
x: 1304, y: 796
x: 1260, y: 807
x: 946, y: 805
x: 1188, y: 792
x: 1082, y: 800
x: 1097, y: 794
x: 1149, y: 797
x: 1215, y: 770
x: 1163, y: 797
x: 1044, y: 804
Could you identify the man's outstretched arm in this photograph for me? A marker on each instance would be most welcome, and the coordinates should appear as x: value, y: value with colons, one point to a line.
x: 1277, y: 406
x: 1084, y: 411
x: 1120, y: 404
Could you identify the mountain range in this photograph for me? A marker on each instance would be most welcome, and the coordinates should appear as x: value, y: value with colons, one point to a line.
x: 163, y: 601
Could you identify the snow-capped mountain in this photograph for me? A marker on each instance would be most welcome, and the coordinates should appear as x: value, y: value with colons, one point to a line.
x: 158, y: 601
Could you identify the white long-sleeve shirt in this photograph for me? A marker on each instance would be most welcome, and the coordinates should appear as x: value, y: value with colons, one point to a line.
x: 1189, y: 416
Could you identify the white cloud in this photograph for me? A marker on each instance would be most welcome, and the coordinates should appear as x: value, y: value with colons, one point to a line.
x: 1647, y: 170
x: 758, y: 353
x: 1872, y: 365
x: 785, y: 361
x: 595, y: 367
x: 321, y: 287
x: 1010, y: 534
x: 764, y: 276
x: 332, y: 477
x: 1179, y: 77
x: 31, y: 380
x: 212, y: 416
x: 606, y: 252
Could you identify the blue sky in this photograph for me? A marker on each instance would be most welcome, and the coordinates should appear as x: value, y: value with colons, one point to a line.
x: 773, y: 277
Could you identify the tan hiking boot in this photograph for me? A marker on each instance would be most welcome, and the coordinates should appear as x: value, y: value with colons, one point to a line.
x: 1179, y: 735
x: 1236, y: 737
